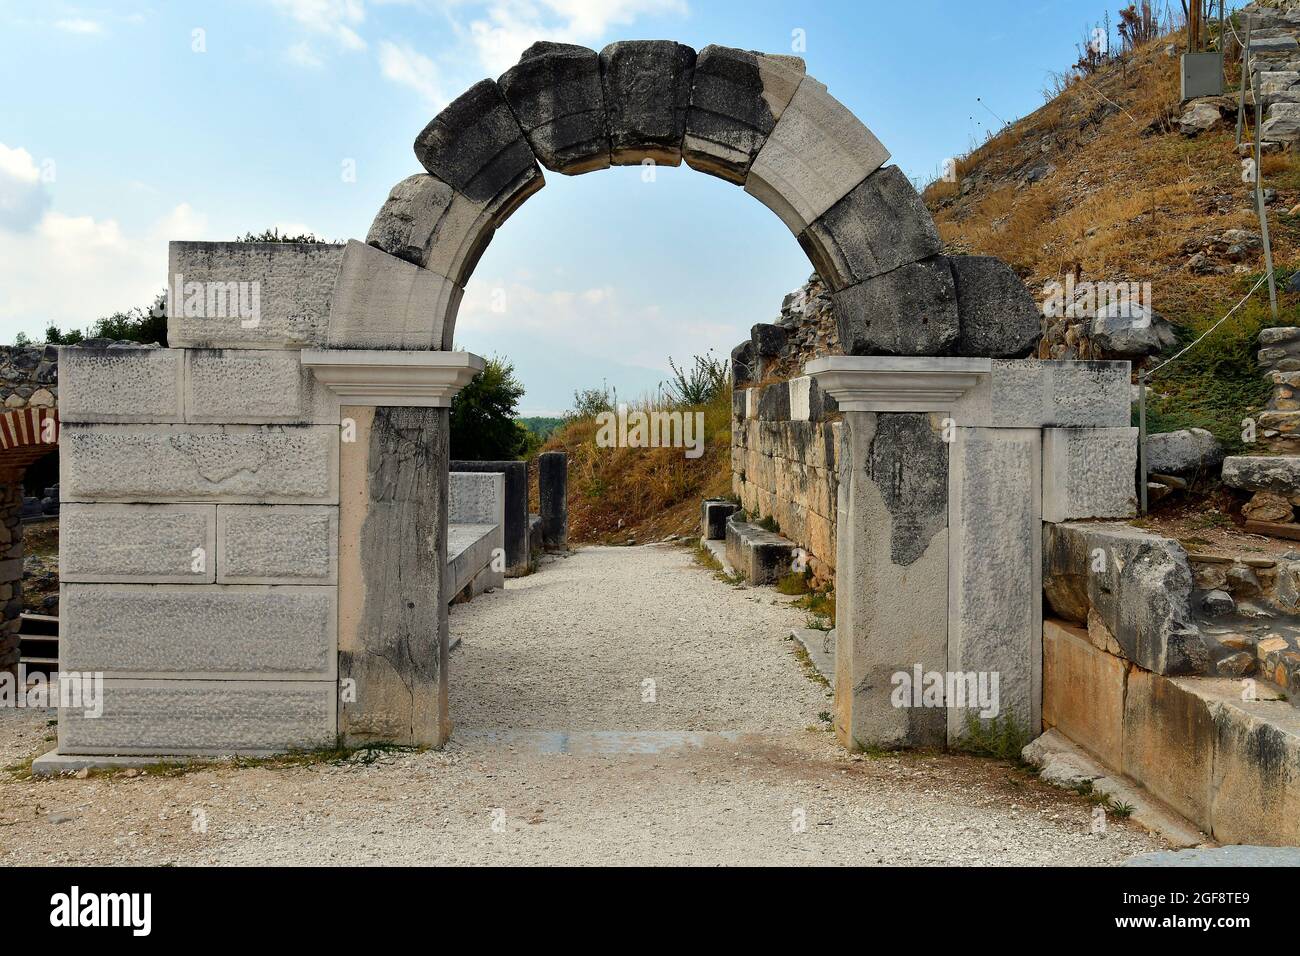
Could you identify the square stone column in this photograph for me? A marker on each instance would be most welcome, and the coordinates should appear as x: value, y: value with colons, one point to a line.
x: 393, y: 480
x: 892, y: 567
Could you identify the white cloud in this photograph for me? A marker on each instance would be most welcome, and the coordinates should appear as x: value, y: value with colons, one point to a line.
x: 78, y: 25
x: 23, y: 198
x: 510, y: 26
x: 337, y: 19
x: 72, y: 270
x: 405, y: 67
x: 301, y: 54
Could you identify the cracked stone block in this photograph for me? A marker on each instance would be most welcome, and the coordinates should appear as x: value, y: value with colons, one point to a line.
x: 999, y: 317
x: 254, y: 386
x: 995, y: 599
x: 909, y: 311
x: 476, y: 147
x: 277, y: 544
x: 254, y: 295
x: 120, y: 384
x: 555, y: 93
x: 204, y: 717
x: 207, y: 631
x: 647, y: 87
x: 737, y: 97
x: 1279, y: 474
x: 743, y: 364
x: 1089, y: 473
x: 1140, y: 586
x: 268, y: 464
x: 817, y: 152
x: 382, y: 302
x: 145, y: 544
x: 879, y: 225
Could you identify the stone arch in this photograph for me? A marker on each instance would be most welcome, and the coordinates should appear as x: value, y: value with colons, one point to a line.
x: 751, y: 119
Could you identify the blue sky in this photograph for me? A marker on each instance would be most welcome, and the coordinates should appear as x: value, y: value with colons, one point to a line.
x: 126, y: 124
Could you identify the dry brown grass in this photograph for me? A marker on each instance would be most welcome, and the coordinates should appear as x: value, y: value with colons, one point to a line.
x: 1120, y: 205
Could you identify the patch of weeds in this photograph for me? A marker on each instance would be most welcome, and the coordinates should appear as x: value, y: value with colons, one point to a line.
x: 796, y: 582
x: 768, y: 523
x: 706, y: 558
x: 820, y: 606
x: 810, y: 670
x: 1001, y: 737
x: 734, y: 578
x: 1121, y: 810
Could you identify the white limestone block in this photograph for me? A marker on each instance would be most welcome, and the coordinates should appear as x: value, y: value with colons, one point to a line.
x: 800, y: 398
x: 383, y: 302
x: 277, y: 544
x: 817, y: 152
x: 254, y: 386
x: 143, y: 544
x: 1089, y: 473
x: 267, y: 464
x: 196, y: 717
x: 120, y: 384
x: 1028, y: 393
x: 476, y: 497
x: 995, y: 591
x: 253, y: 295
x: 211, y: 631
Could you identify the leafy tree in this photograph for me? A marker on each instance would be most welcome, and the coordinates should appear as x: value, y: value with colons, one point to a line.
x: 590, y: 402
x: 136, y: 325
x: 698, y: 384
x: 483, y: 426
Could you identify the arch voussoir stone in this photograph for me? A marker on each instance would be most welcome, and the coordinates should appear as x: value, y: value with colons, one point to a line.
x: 556, y: 94
x: 911, y: 310
x: 647, y: 91
x: 737, y: 98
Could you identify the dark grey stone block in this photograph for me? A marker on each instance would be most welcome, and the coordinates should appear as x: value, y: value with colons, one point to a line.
x: 743, y: 365
x: 475, y: 145
x: 909, y: 311
x: 516, y: 529
x: 999, y: 317
x: 880, y: 225
x: 553, y: 493
x: 736, y: 98
x: 774, y: 402
x: 555, y: 93
x: 769, y: 341
x: 647, y: 85
x: 908, y: 461
x: 713, y: 517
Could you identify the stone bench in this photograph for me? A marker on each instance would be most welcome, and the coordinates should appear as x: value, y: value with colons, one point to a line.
x: 475, y: 533
x: 761, y: 556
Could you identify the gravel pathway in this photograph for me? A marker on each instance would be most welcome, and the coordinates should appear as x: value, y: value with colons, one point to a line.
x: 563, y: 753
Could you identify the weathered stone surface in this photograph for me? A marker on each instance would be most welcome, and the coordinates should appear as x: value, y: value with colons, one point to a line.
x: 234, y: 463
x: 1088, y: 473
x: 883, y: 629
x: 1279, y: 474
x: 1267, y: 506
x: 1187, y: 453
x: 737, y: 96
x: 475, y: 146
x: 156, y: 544
x: 817, y: 152
x: 555, y: 93
x: 994, y: 567
x: 285, y: 287
x: 204, y: 717
x: 647, y: 86
x: 470, y: 553
x: 1256, y: 776
x: 516, y: 506
x: 553, y: 498
x: 120, y: 384
x: 713, y: 518
x: 1282, y: 124
x: 761, y: 556
x: 909, y: 311
x: 1125, y: 329
x: 1169, y: 739
x: 382, y: 302
x: 197, y: 631
x: 1083, y: 692
x: 1138, y: 583
x: 998, y: 315
x: 475, y: 498
x: 742, y: 364
x: 1065, y: 394
x: 392, y: 580
x: 254, y: 386
x: 877, y: 226
x: 277, y: 544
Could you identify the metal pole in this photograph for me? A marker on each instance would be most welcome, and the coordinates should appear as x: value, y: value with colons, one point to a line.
x: 1142, y: 439
x: 1259, y: 202
x: 1245, y: 71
